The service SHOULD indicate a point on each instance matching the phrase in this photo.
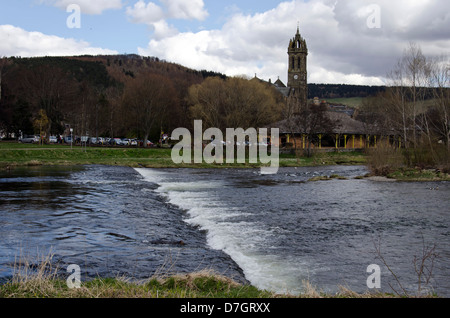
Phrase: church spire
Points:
(297, 72)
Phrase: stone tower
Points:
(297, 74)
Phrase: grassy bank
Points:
(200, 285)
(14, 154)
(409, 164)
(197, 285)
(45, 284)
(417, 174)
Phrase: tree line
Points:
(124, 96)
(330, 91)
(415, 108)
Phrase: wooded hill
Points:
(81, 90)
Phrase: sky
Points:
(349, 41)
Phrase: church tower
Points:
(297, 74)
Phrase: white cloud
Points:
(87, 6)
(145, 13)
(155, 16)
(343, 48)
(324, 76)
(15, 41)
(187, 10)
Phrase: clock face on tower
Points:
(296, 77)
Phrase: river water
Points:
(274, 231)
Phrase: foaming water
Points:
(228, 227)
(283, 230)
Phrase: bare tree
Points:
(40, 124)
(307, 119)
(424, 265)
(416, 68)
(250, 103)
(148, 100)
(439, 81)
(207, 102)
(397, 106)
(234, 103)
(52, 89)
(406, 93)
(3, 64)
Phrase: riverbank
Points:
(417, 175)
(16, 155)
(202, 285)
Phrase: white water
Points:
(282, 230)
(227, 230)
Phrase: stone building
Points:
(347, 132)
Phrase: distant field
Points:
(354, 102)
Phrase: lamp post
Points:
(86, 141)
(71, 138)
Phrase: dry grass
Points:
(41, 281)
(383, 160)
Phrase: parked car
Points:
(53, 140)
(101, 141)
(117, 141)
(29, 139)
(133, 142)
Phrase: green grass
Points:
(409, 174)
(18, 155)
(324, 159)
(328, 178)
(196, 285)
(201, 285)
(14, 154)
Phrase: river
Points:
(273, 231)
